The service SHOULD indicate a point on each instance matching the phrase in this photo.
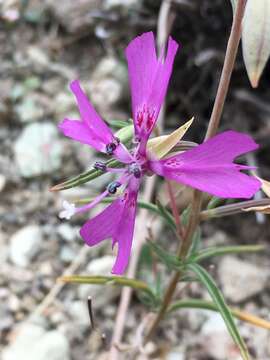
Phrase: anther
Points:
(113, 186)
(99, 165)
(135, 170)
(112, 146)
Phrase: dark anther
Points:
(90, 311)
(112, 146)
(135, 170)
(99, 165)
(113, 186)
(137, 173)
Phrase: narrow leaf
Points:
(207, 305)
(225, 250)
(256, 38)
(166, 215)
(224, 310)
(171, 261)
(108, 280)
(161, 145)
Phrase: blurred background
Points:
(44, 44)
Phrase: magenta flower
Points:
(208, 167)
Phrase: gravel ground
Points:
(43, 46)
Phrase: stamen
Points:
(112, 146)
(113, 186)
(99, 165)
(135, 169)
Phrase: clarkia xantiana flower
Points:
(208, 167)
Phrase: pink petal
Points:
(92, 130)
(116, 222)
(79, 131)
(149, 77)
(89, 115)
(209, 167)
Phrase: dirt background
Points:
(43, 46)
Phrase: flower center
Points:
(135, 169)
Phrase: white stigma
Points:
(69, 210)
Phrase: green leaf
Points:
(214, 202)
(109, 280)
(166, 215)
(224, 250)
(118, 124)
(196, 241)
(171, 261)
(222, 307)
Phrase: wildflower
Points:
(208, 167)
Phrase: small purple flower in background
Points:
(208, 167)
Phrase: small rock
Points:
(101, 294)
(75, 16)
(176, 355)
(79, 313)
(240, 279)
(108, 82)
(106, 91)
(28, 110)
(34, 343)
(110, 4)
(25, 244)
(38, 150)
(64, 103)
(67, 232)
(6, 317)
(3, 181)
(67, 254)
(216, 340)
